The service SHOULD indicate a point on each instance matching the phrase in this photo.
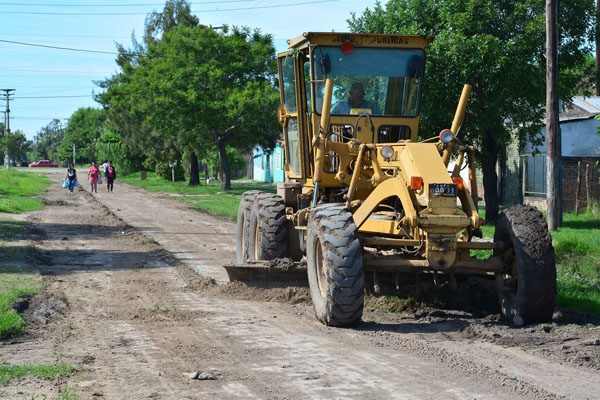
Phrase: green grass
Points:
(577, 246)
(13, 286)
(9, 373)
(18, 190)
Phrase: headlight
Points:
(387, 152)
(446, 136)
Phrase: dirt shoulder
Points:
(130, 301)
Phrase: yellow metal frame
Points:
(429, 223)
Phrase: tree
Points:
(110, 147)
(176, 13)
(196, 88)
(498, 47)
(47, 141)
(83, 131)
(187, 88)
(16, 145)
(138, 139)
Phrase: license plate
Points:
(442, 189)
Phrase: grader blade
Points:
(280, 269)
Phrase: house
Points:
(268, 164)
(523, 172)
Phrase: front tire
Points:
(242, 242)
(334, 262)
(268, 228)
(527, 287)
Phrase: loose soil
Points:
(137, 300)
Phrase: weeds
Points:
(9, 373)
(158, 309)
(14, 286)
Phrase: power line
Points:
(112, 5)
(61, 90)
(82, 5)
(193, 11)
(58, 47)
(61, 36)
(53, 97)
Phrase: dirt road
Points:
(125, 304)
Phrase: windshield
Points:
(369, 80)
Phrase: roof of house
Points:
(581, 108)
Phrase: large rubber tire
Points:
(335, 270)
(527, 288)
(268, 228)
(243, 225)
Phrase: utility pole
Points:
(553, 145)
(7, 93)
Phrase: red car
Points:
(43, 163)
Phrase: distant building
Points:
(268, 164)
(522, 174)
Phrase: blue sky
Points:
(52, 51)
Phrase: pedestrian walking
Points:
(71, 178)
(111, 175)
(93, 175)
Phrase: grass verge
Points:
(19, 193)
(577, 246)
(15, 283)
(9, 373)
(20, 190)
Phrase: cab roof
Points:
(360, 40)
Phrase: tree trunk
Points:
(490, 187)
(489, 159)
(225, 172)
(194, 173)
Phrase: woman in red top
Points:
(93, 174)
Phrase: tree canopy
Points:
(47, 141)
(498, 47)
(15, 145)
(191, 88)
(83, 130)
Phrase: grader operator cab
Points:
(364, 198)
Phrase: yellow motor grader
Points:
(364, 198)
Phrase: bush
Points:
(148, 164)
(164, 171)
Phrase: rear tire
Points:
(243, 225)
(527, 287)
(268, 238)
(335, 270)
